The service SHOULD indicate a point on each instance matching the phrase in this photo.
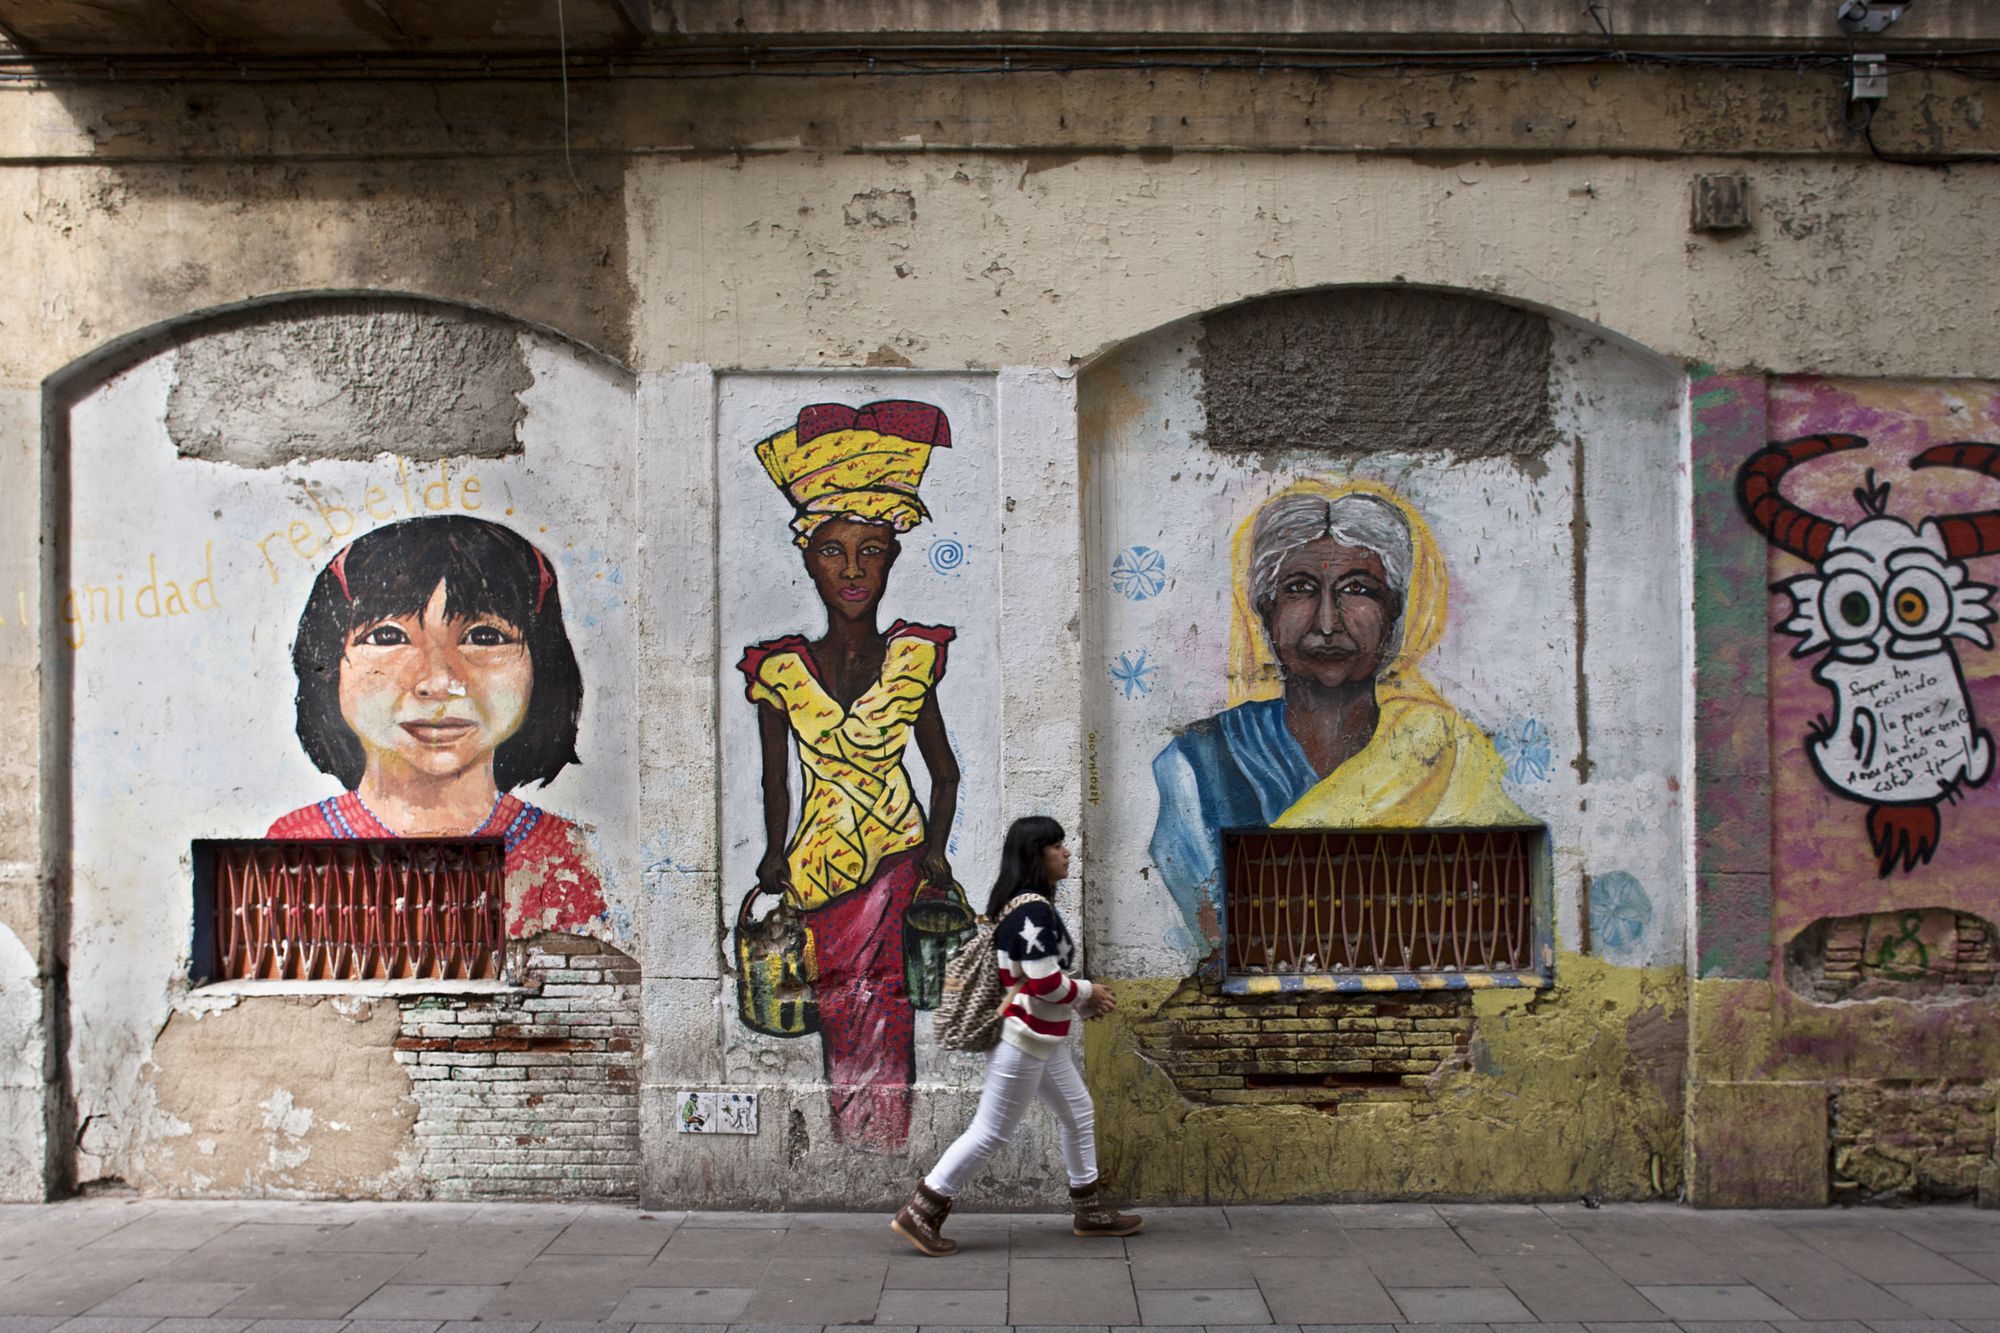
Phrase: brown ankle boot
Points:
(920, 1221)
(1094, 1217)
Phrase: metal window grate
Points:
(350, 910)
(1421, 901)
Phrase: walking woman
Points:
(1036, 955)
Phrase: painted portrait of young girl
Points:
(434, 678)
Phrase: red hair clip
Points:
(548, 579)
(339, 571)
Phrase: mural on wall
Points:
(213, 485)
(435, 676)
(1883, 602)
(855, 897)
(1339, 592)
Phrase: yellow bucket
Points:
(775, 969)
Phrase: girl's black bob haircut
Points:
(392, 571)
(1021, 868)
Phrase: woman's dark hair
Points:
(1021, 868)
(392, 571)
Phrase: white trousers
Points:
(1013, 1080)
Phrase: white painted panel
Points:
(184, 694)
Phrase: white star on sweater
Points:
(1031, 937)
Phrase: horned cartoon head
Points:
(1884, 599)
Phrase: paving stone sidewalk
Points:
(120, 1265)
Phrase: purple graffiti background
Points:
(1822, 863)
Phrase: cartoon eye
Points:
(1919, 603)
(1850, 606)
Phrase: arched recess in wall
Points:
(211, 483)
(1544, 457)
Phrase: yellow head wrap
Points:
(1253, 667)
(863, 463)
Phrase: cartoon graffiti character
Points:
(1340, 593)
(850, 701)
(434, 677)
(692, 1120)
(1884, 600)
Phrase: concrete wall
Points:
(210, 488)
(1546, 463)
(742, 248)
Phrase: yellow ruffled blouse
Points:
(859, 806)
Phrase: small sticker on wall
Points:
(716, 1112)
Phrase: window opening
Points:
(349, 910)
(1314, 907)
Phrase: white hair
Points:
(1291, 521)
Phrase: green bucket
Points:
(932, 929)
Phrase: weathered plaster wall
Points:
(1334, 375)
(200, 514)
(741, 231)
(996, 560)
(23, 1053)
(1563, 642)
(351, 381)
(142, 242)
(1567, 555)
(1576, 1092)
(1046, 260)
(272, 1096)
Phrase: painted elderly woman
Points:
(862, 849)
(435, 676)
(1340, 593)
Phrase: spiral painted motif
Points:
(946, 556)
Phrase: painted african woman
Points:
(862, 848)
(1340, 593)
(435, 677)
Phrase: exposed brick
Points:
(536, 1094)
(1301, 1046)
(1895, 1141)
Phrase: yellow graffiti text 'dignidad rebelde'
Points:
(158, 596)
(163, 590)
(338, 517)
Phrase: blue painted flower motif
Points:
(1620, 911)
(946, 556)
(1524, 748)
(1133, 674)
(1138, 572)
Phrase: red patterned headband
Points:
(546, 576)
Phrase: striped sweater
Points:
(1036, 953)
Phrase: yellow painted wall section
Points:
(1568, 1092)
